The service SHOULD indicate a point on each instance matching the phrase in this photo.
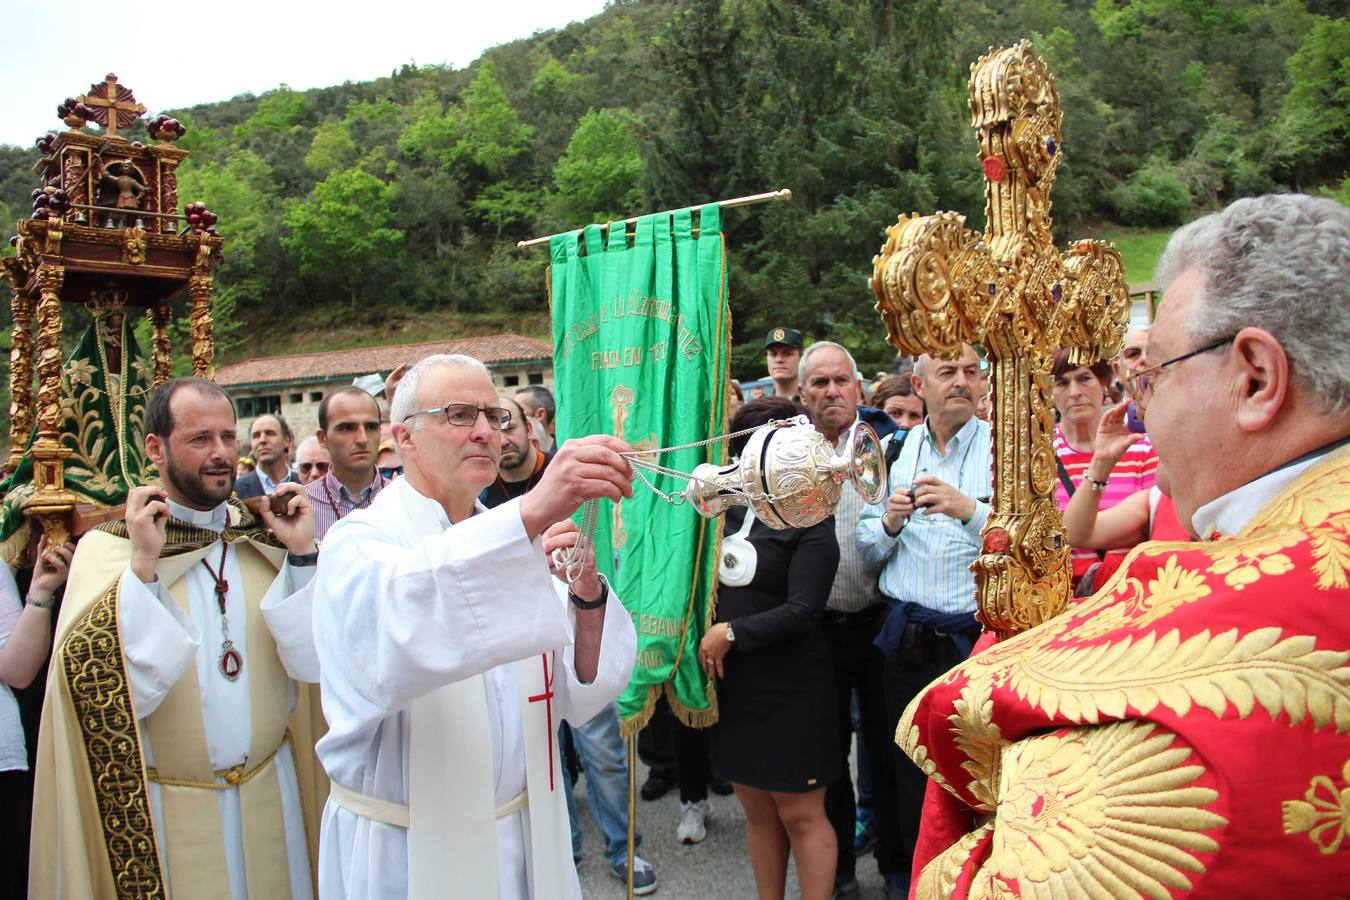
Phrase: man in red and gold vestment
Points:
(1186, 731)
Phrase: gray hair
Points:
(405, 398)
(824, 345)
(1281, 262)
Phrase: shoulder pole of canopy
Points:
(751, 200)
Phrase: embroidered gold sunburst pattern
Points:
(1323, 813)
(1096, 812)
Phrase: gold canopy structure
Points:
(105, 231)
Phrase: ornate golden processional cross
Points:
(113, 106)
(939, 285)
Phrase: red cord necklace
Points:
(231, 661)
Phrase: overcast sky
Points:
(210, 51)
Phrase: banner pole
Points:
(749, 200)
(632, 808)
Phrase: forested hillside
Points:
(358, 204)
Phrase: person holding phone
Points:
(1127, 463)
(925, 535)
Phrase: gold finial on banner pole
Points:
(750, 200)
(939, 285)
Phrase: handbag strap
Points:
(1064, 478)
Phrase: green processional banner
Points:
(641, 344)
(103, 393)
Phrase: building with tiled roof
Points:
(293, 385)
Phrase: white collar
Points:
(1229, 514)
(427, 506)
(210, 519)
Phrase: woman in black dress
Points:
(774, 738)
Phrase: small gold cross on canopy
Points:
(113, 105)
(938, 285)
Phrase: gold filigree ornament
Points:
(1097, 812)
(938, 285)
(133, 246)
(1323, 813)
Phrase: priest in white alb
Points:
(451, 647)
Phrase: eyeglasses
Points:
(1143, 383)
(306, 466)
(464, 415)
(390, 472)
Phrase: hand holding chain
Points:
(787, 473)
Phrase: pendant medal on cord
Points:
(231, 662)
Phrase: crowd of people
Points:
(418, 564)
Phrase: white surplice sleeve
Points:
(579, 701)
(159, 640)
(393, 622)
(288, 610)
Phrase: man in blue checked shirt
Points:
(926, 535)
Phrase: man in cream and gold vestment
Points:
(1186, 731)
(175, 757)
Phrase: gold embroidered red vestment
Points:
(1185, 732)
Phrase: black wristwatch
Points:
(303, 560)
(591, 604)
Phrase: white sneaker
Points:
(693, 822)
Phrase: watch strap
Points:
(591, 604)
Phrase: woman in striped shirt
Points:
(1079, 394)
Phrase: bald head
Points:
(311, 460)
(1132, 347)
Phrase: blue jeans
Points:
(605, 762)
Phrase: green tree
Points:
(344, 229)
(332, 148)
(1312, 133)
(491, 135)
(599, 177)
(278, 111)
